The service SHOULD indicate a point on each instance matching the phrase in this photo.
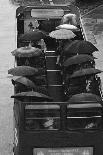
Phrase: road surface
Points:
(7, 44)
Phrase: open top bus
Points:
(59, 127)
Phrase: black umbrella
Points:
(31, 94)
(77, 59)
(62, 34)
(27, 52)
(84, 97)
(79, 46)
(84, 72)
(23, 80)
(68, 27)
(23, 71)
(34, 35)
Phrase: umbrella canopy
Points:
(23, 80)
(23, 71)
(24, 85)
(34, 35)
(62, 34)
(67, 26)
(86, 97)
(79, 46)
(84, 72)
(27, 52)
(77, 59)
(31, 94)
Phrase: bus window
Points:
(42, 117)
(84, 119)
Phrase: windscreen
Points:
(42, 117)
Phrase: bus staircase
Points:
(54, 77)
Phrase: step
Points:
(54, 77)
(52, 63)
(56, 91)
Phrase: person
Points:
(42, 43)
(48, 123)
(69, 19)
(60, 48)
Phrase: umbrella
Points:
(30, 85)
(68, 27)
(75, 89)
(34, 35)
(84, 72)
(31, 94)
(77, 59)
(23, 71)
(79, 46)
(86, 97)
(26, 52)
(23, 80)
(62, 34)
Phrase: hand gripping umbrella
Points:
(85, 72)
(80, 47)
(78, 59)
(34, 35)
(27, 52)
(62, 34)
(31, 94)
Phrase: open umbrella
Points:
(28, 85)
(62, 34)
(68, 27)
(79, 46)
(84, 72)
(23, 71)
(85, 97)
(34, 35)
(78, 59)
(23, 80)
(31, 94)
(26, 52)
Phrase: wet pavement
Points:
(7, 44)
(92, 23)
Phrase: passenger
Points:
(42, 43)
(69, 19)
(49, 123)
(60, 48)
(93, 85)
